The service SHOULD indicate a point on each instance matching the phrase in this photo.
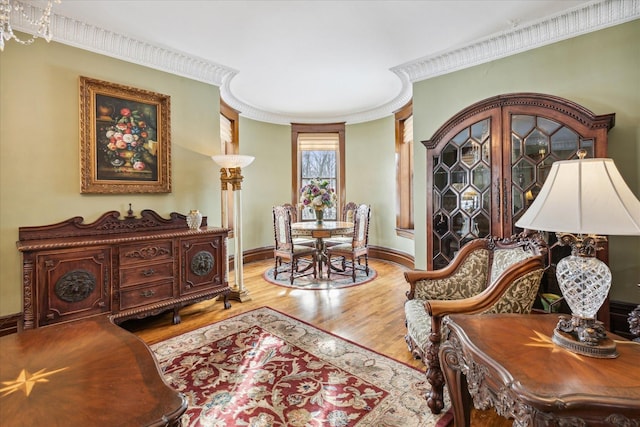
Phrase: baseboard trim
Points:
(375, 252)
(10, 324)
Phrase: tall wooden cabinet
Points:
(122, 267)
(487, 164)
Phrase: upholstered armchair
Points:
(487, 275)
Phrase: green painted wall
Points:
(371, 179)
(39, 146)
(598, 70)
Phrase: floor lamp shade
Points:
(233, 160)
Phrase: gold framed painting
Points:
(125, 139)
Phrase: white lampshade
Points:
(233, 160)
(584, 196)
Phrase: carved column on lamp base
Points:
(238, 291)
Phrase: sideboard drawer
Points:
(147, 273)
(145, 295)
(147, 251)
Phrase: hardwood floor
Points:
(371, 315)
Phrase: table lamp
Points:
(582, 200)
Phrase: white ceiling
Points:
(322, 61)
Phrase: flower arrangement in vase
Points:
(317, 195)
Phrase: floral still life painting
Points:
(125, 139)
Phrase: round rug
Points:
(308, 282)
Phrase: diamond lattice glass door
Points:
(537, 142)
(462, 191)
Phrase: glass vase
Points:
(319, 215)
(194, 219)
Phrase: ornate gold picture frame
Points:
(125, 139)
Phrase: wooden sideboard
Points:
(129, 267)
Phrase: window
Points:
(404, 171)
(318, 152)
(229, 140)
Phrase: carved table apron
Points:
(508, 361)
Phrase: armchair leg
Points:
(435, 397)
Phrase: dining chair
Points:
(346, 258)
(297, 260)
(348, 212)
(293, 214)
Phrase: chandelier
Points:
(41, 27)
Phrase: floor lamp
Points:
(231, 174)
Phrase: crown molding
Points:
(583, 19)
(105, 42)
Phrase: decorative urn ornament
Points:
(194, 219)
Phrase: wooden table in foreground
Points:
(508, 361)
(83, 373)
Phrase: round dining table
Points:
(321, 231)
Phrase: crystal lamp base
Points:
(584, 336)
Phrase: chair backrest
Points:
(481, 262)
(361, 226)
(509, 251)
(293, 211)
(508, 254)
(282, 228)
(348, 211)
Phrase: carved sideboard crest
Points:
(109, 222)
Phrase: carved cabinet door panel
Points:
(202, 264)
(73, 283)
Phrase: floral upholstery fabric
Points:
(520, 296)
(418, 322)
(469, 280)
(505, 258)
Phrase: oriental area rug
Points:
(264, 368)
(308, 282)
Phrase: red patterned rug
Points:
(264, 368)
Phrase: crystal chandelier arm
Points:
(42, 24)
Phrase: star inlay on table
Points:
(26, 381)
